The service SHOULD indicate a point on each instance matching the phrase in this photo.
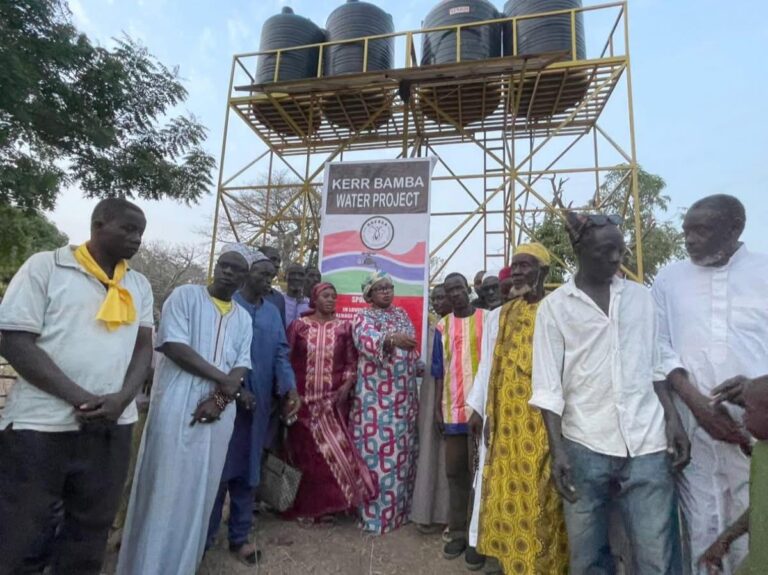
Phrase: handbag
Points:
(279, 482)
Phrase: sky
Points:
(699, 82)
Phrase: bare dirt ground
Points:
(342, 549)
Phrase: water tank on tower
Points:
(286, 30)
(463, 103)
(558, 90)
(355, 19)
(548, 33)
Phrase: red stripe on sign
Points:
(348, 305)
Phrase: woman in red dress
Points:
(334, 476)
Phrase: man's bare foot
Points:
(246, 553)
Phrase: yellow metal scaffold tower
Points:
(539, 146)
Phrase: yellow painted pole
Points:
(514, 37)
(458, 44)
(246, 167)
(408, 49)
(277, 66)
(596, 152)
(269, 194)
(219, 197)
(633, 148)
(573, 36)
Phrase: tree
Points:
(436, 263)
(167, 267)
(21, 235)
(253, 207)
(75, 113)
(662, 239)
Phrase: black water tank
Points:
(461, 104)
(286, 30)
(548, 33)
(477, 43)
(356, 19)
(357, 110)
(556, 91)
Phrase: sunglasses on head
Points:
(597, 221)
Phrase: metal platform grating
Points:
(522, 97)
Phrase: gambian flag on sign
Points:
(376, 217)
(347, 262)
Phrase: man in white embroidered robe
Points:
(713, 325)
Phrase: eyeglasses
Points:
(597, 221)
(383, 289)
(605, 219)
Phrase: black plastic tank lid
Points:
(287, 10)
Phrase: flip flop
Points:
(326, 521)
(305, 522)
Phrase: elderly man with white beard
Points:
(517, 517)
(713, 325)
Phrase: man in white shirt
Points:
(610, 427)
(713, 325)
(77, 327)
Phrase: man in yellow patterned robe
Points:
(520, 520)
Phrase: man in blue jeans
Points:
(614, 433)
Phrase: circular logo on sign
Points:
(377, 233)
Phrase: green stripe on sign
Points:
(352, 281)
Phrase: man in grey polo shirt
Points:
(76, 324)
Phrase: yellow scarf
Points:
(117, 308)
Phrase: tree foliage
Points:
(168, 266)
(75, 113)
(21, 235)
(437, 263)
(254, 207)
(662, 239)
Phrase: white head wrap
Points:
(258, 256)
(241, 249)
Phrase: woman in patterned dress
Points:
(334, 476)
(385, 406)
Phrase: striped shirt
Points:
(455, 359)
